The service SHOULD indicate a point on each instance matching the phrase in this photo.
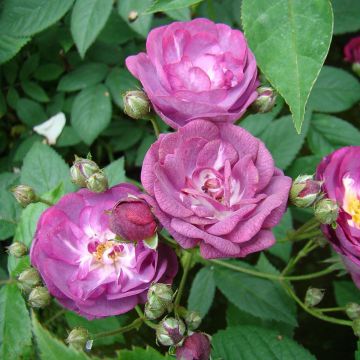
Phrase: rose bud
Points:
(24, 194)
(356, 327)
(28, 279)
(78, 337)
(352, 310)
(192, 320)
(133, 15)
(39, 297)
(136, 104)
(170, 331)
(132, 219)
(154, 311)
(326, 211)
(17, 249)
(304, 191)
(82, 169)
(352, 54)
(265, 101)
(314, 296)
(97, 182)
(160, 292)
(195, 347)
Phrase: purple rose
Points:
(352, 50)
(215, 186)
(195, 347)
(196, 69)
(83, 265)
(340, 172)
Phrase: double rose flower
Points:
(210, 183)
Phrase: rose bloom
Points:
(352, 50)
(215, 186)
(340, 172)
(196, 69)
(82, 264)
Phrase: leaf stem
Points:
(314, 312)
(55, 316)
(186, 266)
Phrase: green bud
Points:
(24, 194)
(265, 101)
(136, 104)
(78, 337)
(160, 292)
(82, 169)
(192, 320)
(356, 68)
(356, 327)
(314, 296)
(28, 279)
(133, 15)
(97, 182)
(170, 331)
(304, 191)
(39, 297)
(326, 211)
(153, 312)
(17, 249)
(352, 310)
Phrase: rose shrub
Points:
(340, 172)
(196, 69)
(82, 264)
(215, 186)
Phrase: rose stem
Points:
(134, 325)
(186, 266)
(143, 318)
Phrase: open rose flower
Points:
(216, 186)
(340, 172)
(83, 265)
(196, 69)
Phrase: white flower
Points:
(51, 128)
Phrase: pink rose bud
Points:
(136, 104)
(39, 297)
(78, 337)
(314, 296)
(265, 101)
(326, 211)
(82, 169)
(133, 220)
(195, 347)
(24, 194)
(305, 191)
(28, 279)
(170, 331)
(17, 249)
(352, 54)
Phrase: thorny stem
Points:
(333, 309)
(143, 318)
(299, 233)
(154, 123)
(134, 325)
(186, 266)
(55, 316)
(314, 312)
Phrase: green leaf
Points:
(282, 250)
(183, 14)
(345, 292)
(84, 76)
(118, 82)
(115, 172)
(335, 90)
(26, 18)
(91, 112)
(35, 91)
(144, 146)
(166, 5)
(282, 140)
(143, 23)
(48, 72)
(30, 112)
(88, 17)
(10, 46)
(144, 354)
(52, 348)
(98, 325)
(304, 165)
(3, 109)
(346, 16)
(68, 137)
(328, 133)
(258, 297)
(202, 291)
(250, 342)
(29, 66)
(15, 327)
(43, 169)
(281, 34)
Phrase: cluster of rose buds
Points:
(306, 192)
(86, 173)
